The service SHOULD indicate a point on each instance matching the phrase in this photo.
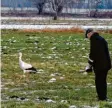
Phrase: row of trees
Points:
(89, 8)
(58, 5)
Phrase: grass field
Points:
(60, 56)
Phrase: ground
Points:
(61, 21)
(59, 58)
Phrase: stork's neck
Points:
(20, 58)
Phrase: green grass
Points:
(62, 53)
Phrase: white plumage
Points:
(25, 66)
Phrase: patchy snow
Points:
(61, 78)
(52, 80)
(85, 73)
(48, 18)
(51, 27)
(90, 107)
(50, 101)
(55, 74)
(108, 83)
(72, 106)
(64, 101)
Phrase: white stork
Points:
(27, 68)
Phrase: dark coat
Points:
(99, 53)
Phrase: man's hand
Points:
(90, 61)
(89, 68)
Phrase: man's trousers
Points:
(101, 84)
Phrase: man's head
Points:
(89, 33)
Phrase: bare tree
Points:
(57, 6)
(93, 5)
(39, 5)
(97, 2)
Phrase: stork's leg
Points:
(26, 76)
(22, 76)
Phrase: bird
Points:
(27, 68)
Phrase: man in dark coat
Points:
(99, 59)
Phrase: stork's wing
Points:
(26, 65)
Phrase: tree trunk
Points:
(40, 8)
(55, 16)
(95, 13)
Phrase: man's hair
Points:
(88, 31)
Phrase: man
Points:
(99, 59)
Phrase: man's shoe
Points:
(107, 100)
